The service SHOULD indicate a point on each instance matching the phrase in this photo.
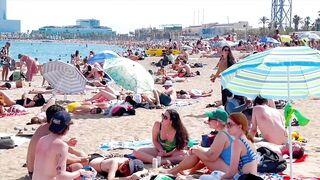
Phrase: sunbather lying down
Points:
(85, 108)
(193, 93)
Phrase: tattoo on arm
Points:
(59, 168)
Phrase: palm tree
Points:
(296, 21)
(307, 22)
(264, 20)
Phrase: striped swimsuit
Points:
(248, 158)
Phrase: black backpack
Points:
(270, 162)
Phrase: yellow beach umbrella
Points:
(285, 38)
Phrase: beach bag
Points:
(6, 143)
(270, 162)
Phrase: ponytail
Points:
(249, 136)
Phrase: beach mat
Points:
(126, 145)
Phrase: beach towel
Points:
(15, 110)
(135, 144)
(181, 103)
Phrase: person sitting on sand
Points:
(170, 139)
(243, 151)
(115, 168)
(81, 109)
(218, 156)
(52, 152)
(165, 98)
(269, 121)
(75, 158)
(193, 93)
(38, 100)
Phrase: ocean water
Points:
(55, 50)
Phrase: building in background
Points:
(85, 29)
(7, 26)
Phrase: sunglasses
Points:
(227, 50)
(230, 124)
(164, 116)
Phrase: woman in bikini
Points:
(38, 100)
(243, 151)
(218, 156)
(170, 139)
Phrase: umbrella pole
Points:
(290, 129)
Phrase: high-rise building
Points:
(3, 9)
(7, 25)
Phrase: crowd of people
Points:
(242, 124)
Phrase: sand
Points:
(93, 130)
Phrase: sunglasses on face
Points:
(230, 124)
(227, 50)
(164, 116)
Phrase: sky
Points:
(127, 15)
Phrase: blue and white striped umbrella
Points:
(280, 73)
(65, 78)
(276, 74)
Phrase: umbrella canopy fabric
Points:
(224, 43)
(285, 38)
(280, 73)
(64, 77)
(129, 74)
(268, 40)
(309, 35)
(274, 73)
(102, 56)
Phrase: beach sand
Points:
(93, 130)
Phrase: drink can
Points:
(154, 163)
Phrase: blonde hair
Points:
(241, 119)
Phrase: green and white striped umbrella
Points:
(129, 74)
(279, 73)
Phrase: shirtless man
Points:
(124, 167)
(52, 152)
(269, 121)
(74, 158)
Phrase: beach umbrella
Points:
(269, 40)
(224, 43)
(285, 38)
(187, 47)
(102, 56)
(63, 77)
(309, 35)
(279, 73)
(129, 74)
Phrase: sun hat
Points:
(218, 114)
(167, 83)
(60, 121)
(135, 165)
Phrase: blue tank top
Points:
(226, 153)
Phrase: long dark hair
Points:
(241, 119)
(230, 59)
(182, 136)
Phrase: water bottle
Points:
(154, 163)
